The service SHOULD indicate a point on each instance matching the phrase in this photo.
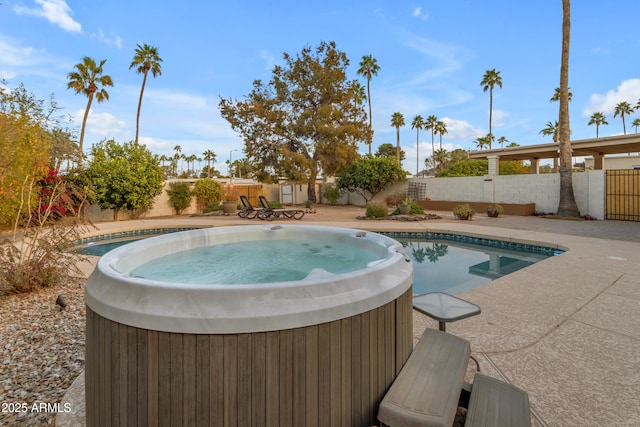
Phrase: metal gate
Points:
(622, 192)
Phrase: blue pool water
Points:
(442, 262)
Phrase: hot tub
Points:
(172, 349)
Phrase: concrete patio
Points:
(566, 330)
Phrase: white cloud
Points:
(417, 12)
(461, 130)
(269, 60)
(111, 39)
(499, 118)
(55, 11)
(629, 91)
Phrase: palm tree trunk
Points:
(567, 206)
(490, 115)
(369, 99)
(144, 82)
(84, 125)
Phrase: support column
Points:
(493, 165)
(598, 162)
(534, 169)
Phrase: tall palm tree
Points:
(440, 128)
(567, 206)
(418, 124)
(146, 59)
(623, 108)
(635, 124)
(551, 130)
(597, 119)
(490, 80)
(209, 156)
(442, 157)
(502, 141)
(369, 67)
(430, 124)
(397, 120)
(88, 80)
(482, 141)
(176, 157)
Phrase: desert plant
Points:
(36, 255)
(395, 199)
(377, 210)
(179, 195)
(495, 210)
(464, 211)
(414, 209)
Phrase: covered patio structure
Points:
(596, 147)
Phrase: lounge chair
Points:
(269, 213)
(247, 211)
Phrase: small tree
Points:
(369, 175)
(179, 195)
(207, 191)
(124, 176)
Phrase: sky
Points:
(432, 57)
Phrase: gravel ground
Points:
(41, 353)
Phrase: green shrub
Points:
(332, 194)
(208, 192)
(377, 210)
(212, 207)
(415, 209)
(275, 204)
(464, 211)
(179, 195)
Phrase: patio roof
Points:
(620, 144)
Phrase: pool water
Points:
(257, 261)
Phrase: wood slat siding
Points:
(622, 194)
(333, 374)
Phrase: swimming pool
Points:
(443, 262)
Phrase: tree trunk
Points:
(567, 206)
(144, 82)
(84, 125)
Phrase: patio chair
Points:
(247, 211)
(269, 213)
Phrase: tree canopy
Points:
(305, 120)
(124, 176)
(369, 175)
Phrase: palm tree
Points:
(635, 124)
(597, 119)
(209, 156)
(567, 206)
(551, 130)
(440, 129)
(176, 157)
(482, 141)
(418, 125)
(491, 79)
(556, 95)
(397, 120)
(442, 157)
(430, 124)
(146, 59)
(369, 67)
(88, 79)
(502, 140)
(623, 108)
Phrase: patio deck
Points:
(566, 330)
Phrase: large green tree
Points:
(388, 150)
(88, 80)
(567, 206)
(368, 68)
(146, 59)
(490, 80)
(126, 176)
(369, 175)
(306, 120)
